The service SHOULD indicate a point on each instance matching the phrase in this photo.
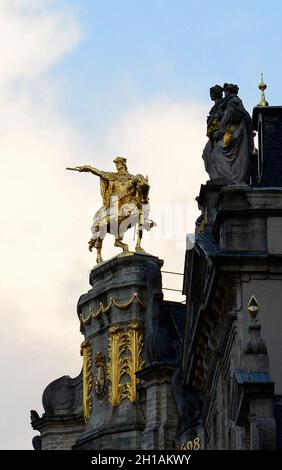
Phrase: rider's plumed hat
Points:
(120, 159)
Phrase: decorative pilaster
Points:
(135, 336)
(117, 366)
(119, 316)
(86, 352)
(125, 359)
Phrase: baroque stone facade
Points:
(123, 398)
(206, 375)
(230, 361)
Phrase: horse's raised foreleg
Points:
(98, 245)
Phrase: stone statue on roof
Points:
(229, 129)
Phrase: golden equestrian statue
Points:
(125, 205)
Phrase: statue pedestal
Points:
(132, 338)
(114, 315)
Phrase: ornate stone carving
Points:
(100, 379)
(86, 351)
(225, 297)
(212, 329)
(135, 337)
(125, 359)
(95, 314)
(117, 364)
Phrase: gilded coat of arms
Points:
(100, 381)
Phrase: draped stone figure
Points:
(229, 128)
(213, 124)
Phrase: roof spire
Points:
(262, 86)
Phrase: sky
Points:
(81, 82)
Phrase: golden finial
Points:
(253, 307)
(262, 86)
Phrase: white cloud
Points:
(45, 226)
(33, 36)
(36, 269)
(165, 139)
(46, 212)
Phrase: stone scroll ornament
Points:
(229, 129)
(125, 205)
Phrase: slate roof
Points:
(208, 244)
(252, 377)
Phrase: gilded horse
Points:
(125, 205)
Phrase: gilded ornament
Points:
(125, 359)
(135, 361)
(228, 137)
(253, 307)
(100, 376)
(213, 126)
(86, 352)
(204, 221)
(262, 86)
(106, 309)
(117, 363)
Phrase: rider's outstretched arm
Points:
(89, 169)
